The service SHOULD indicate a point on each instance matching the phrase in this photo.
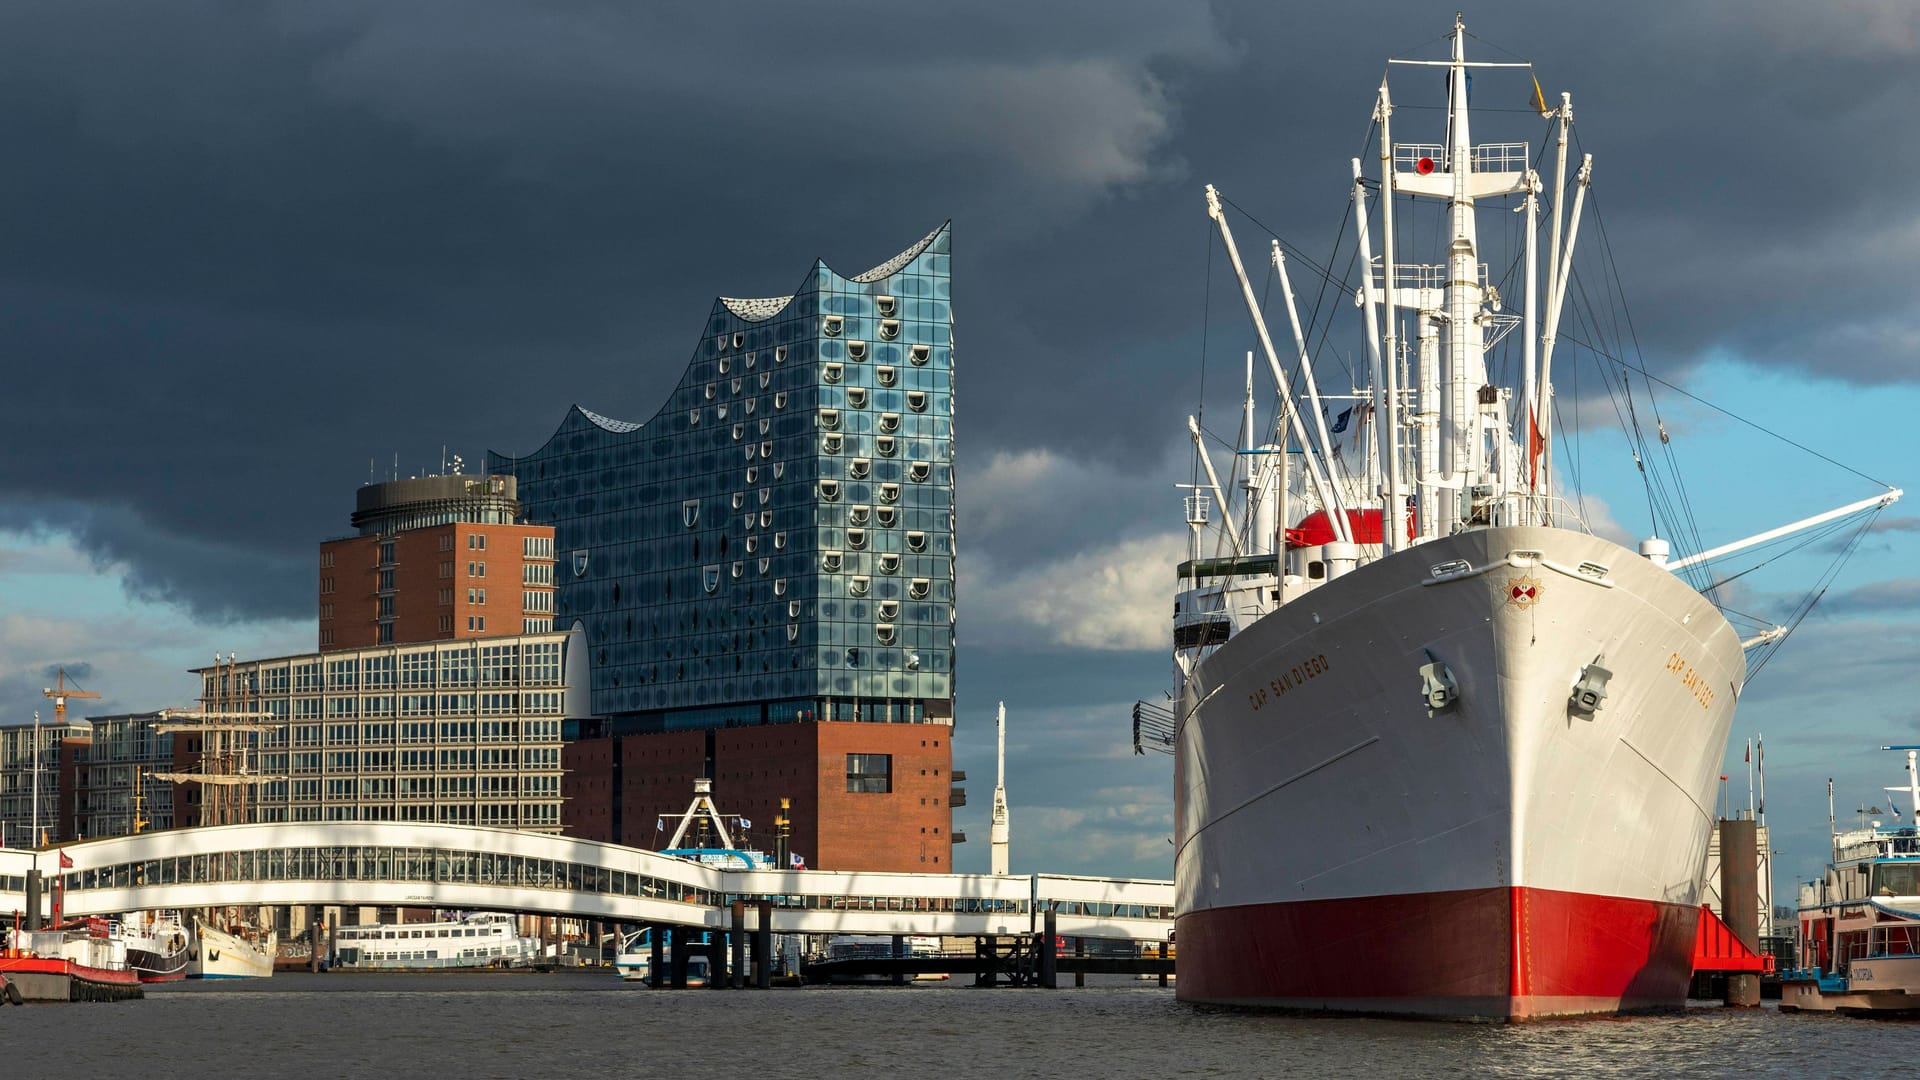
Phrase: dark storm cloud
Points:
(252, 252)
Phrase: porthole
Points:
(720, 411)
(765, 563)
(766, 379)
(766, 496)
(766, 519)
(793, 609)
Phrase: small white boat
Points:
(238, 952)
(157, 944)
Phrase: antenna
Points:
(998, 830)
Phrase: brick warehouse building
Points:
(764, 574)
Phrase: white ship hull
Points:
(1341, 848)
(217, 954)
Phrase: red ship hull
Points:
(1511, 953)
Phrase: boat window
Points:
(1316, 570)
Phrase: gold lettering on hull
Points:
(1311, 668)
(1695, 682)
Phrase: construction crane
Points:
(60, 693)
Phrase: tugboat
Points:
(1860, 922)
(78, 960)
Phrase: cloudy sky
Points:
(250, 253)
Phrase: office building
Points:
(436, 558)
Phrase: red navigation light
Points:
(1425, 166)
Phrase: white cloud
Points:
(1111, 596)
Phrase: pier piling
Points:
(1079, 952)
(657, 970)
(763, 945)
(1049, 950)
(1740, 902)
(738, 940)
(33, 900)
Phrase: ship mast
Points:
(223, 719)
(997, 833)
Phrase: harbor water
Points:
(583, 1026)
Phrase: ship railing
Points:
(1420, 275)
(1408, 156)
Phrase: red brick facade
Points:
(441, 575)
(909, 828)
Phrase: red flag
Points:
(1536, 445)
(66, 862)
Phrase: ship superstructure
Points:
(1439, 749)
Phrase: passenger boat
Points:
(158, 944)
(78, 960)
(1441, 750)
(1860, 922)
(236, 951)
(483, 939)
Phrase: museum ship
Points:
(1440, 749)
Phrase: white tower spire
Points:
(997, 833)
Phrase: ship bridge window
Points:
(1195, 634)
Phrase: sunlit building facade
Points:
(774, 546)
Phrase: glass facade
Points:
(777, 543)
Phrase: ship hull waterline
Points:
(1343, 847)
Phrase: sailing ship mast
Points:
(229, 728)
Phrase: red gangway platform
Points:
(1715, 948)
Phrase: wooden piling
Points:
(657, 970)
(1079, 952)
(1048, 945)
(763, 945)
(738, 940)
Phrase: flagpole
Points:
(1749, 779)
(1760, 752)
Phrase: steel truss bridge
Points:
(409, 864)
